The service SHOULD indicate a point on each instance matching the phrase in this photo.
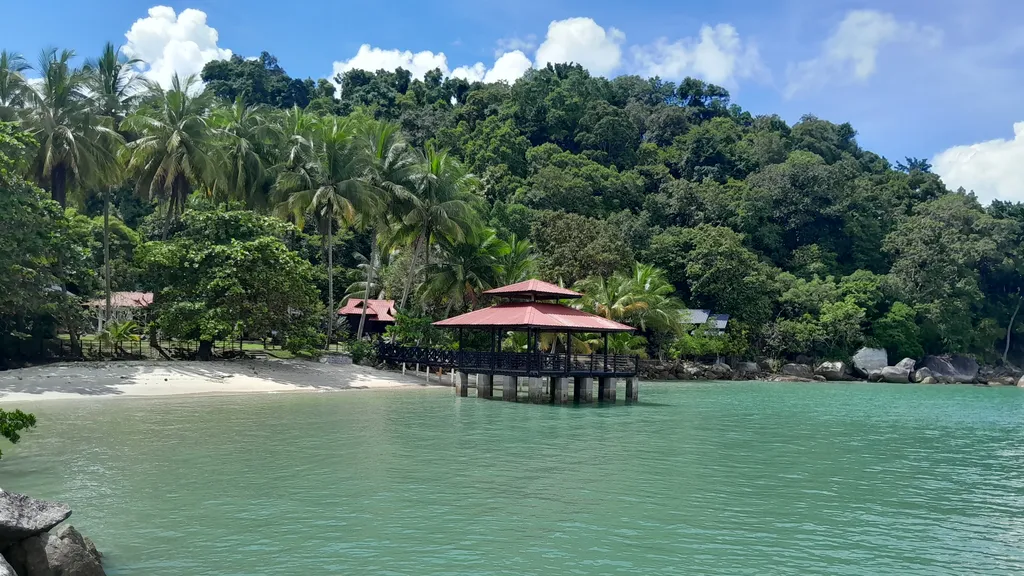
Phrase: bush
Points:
(362, 352)
(11, 423)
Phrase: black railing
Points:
(512, 362)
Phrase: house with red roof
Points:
(379, 314)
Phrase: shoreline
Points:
(154, 379)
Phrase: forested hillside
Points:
(649, 195)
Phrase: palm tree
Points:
(114, 84)
(389, 165)
(642, 298)
(325, 181)
(172, 153)
(12, 84)
(517, 262)
(443, 204)
(116, 333)
(465, 269)
(245, 134)
(76, 146)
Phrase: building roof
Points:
(123, 300)
(533, 290)
(693, 316)
(379, 310)
(534, 315)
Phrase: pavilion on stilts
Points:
(532, 307)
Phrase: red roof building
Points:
(377, 311)
(123, 300)
(533, 290)
(540, 316)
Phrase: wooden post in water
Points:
(509, 388)
(584, 389)
(632, 389)
(536, 389)
(462, 384)
(484, 386)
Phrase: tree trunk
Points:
(205, 349)
(426, 261)
(369, 280)
(106, 253)
(331, 312)
(1009, 328)
(410, 274)
(59, 184)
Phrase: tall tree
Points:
(76, 146)
(173, 152)
(244, 135)
(115, 86)
(12, 84)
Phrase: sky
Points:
(936, 79)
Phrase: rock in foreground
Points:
(833, 371)
(895, 374)
(62, 553)
(22, 517)
(5, 568)
(798, 370)
(868, 360)
(959, 369)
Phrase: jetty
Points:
(559, 375)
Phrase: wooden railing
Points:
(512, 362)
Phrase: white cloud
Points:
(718, 56)
(474, 73)
(509, 67)
(583, 41)
(851, 52)
(170, 43)
(993, 169)
(372, 59)
(527, 44)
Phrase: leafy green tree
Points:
(571, 247)
(115, 334)
(227, 274)
(12, 422)
(245, 135)
(260, 81)
(464, 269)
(897, 331)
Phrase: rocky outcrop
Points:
(721, 371)
(1020, 383)
(33, 548)
(907, 364)
(22, 517)
(921, 374)
(867, 360)
(929, 380)
(895, 374)
(747, 369)
(959, 369)
(798, 370)
(833, 371)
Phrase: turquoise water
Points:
(708, 478)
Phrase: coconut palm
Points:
(114, 334)
(172, 155)
(12, 85)
(517, 262)
(389, 164)
(464, 269)
(245, 135)
(443, 204)
(114, 84)
(325, 181)
(76, 146)
(641, 298)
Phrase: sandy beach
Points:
(154, 378)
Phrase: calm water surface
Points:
(703, 478)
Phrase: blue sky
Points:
(940, 79)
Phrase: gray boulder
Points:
(1020, 383)
(721, 371)
(907, 364)
(929, 380)
(922, 373)
(875, 376)
(955, 368)
(64, 552)
(798, 370)
(747, 368)
(895, 374)
(833, 371)
(868, 359)
(22, 517)
(5, 568)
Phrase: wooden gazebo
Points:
(532, 307)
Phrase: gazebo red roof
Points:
(123, 300)
(534, 289)
(534, 315)
(380, 310)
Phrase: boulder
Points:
(907, 364)
(769, 365)
(868, 359)
(833, 371)
(5, 568)
(64, 552)
(22, 517)
(895, 374)
(820, 378)
(960, 369)
(747, 368)
(929, 380)
(1002, 381)
(721, 371)
(798, 370)
(875, 376)
(1020, 383)
(922, 373)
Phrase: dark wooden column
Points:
(568, 351)
(605, 351)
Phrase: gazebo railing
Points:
(512, 362)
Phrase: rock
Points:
(746, 369)
(921, 374)
(64, 552)
(767, 365)
(22, 517)
(868, 359)
(1020, 383)
(1002, 381)
(804, 359)
(834, 371)
(875, 376)
(721, 371)
(820, 378)
(784, 378)
(895, 374)
(929, 380)
(5, 568)
(798, 370)
(907, 364)
(960, 369)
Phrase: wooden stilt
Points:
(585, 385)
(536, 389)
(606, 389)
(462, 384)
(632, 389)
(509, 388)
(560, 390)
(484, 386)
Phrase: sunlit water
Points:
(733, 478)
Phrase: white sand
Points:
(150, 378)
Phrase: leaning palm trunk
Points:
(106, 253)
(330, 283)
(411, 273)
(369, 282)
